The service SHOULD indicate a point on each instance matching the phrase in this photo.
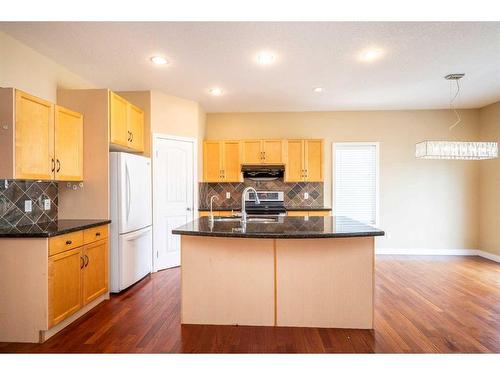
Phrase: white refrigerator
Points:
(131, 217)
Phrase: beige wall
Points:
(489, 181)
(423, 203)
(24, 68)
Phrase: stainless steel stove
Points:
(272, 203)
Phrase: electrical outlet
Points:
(27, 206)
(228, 195)
(306, 195)
(46, 204)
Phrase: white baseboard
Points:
(466, 252)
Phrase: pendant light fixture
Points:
(456, 150)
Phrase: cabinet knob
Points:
(69, 242)
(98, 234)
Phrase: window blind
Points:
(355, 185)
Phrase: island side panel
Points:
(227, 281)
(325, 282)
(23, 289)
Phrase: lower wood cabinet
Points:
(77, 276)
(311, 213)
(65, 285)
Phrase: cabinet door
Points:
(64, 285)
(252, 152)
(118, 109)
(273, 151)
(68, 140)
(314, 160)
(231, 162)
(136, 128)
(294, 160)
(95, 270)
(34, 138)
(212, 161)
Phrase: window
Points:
(355, 186)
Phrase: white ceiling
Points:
(203, 55)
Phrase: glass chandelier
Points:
(456, 150)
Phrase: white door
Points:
(135, 192)
(173, 197)
(135, 256)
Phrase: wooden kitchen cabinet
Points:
(68, 141)
(308, 213)
(267, 151)
(38, 139)
(34, 137)
(78, 272)
(304, 160)
(65, 285)
(95, 270)
(221, 161)
(126, 123)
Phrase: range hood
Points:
(263, 172)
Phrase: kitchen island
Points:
(279, 271)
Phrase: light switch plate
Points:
(27, 206)
(306, 195)
(46, 204)
(228, 195)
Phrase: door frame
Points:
(194, 141)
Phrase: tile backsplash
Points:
(294, 193)
(13, 193)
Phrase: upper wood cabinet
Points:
(267, 151)
(39, 140)
(34, 137)
(304, 160)
(221, 161)
(126, 123)
(68, 138)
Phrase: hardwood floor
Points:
(422, 304)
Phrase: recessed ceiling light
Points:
(371, 54)
(216, 91)
(265, 57)
(318, 89)
(159, 60)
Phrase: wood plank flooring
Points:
(422, 304)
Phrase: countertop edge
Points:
(279, 235)
(287, 208)
(55, 233)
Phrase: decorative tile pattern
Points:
(13, 193)
(294, 193)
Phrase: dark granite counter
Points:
(284, 227)
(287, 208)
(50, 229)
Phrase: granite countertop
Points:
(287, 208)
(50, 229)
(286, 227)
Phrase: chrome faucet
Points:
(243, 210)
(212, 198)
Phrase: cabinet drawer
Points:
(65, 242)
(94, 234)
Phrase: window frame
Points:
(377, 174)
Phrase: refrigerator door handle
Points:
(138, 234)
(127, 187)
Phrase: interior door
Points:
(34, 138)
(68, 144)
(173, 197)
(135, 192)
